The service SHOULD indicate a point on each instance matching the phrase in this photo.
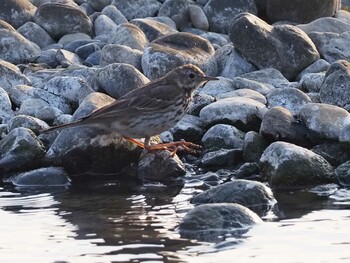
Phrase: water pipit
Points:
(149, 110)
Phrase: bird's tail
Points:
(62, 126)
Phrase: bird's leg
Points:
(174, 146)
(138, 143)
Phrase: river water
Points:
(114, 222)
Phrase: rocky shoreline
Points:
(279, 112)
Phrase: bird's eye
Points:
(191, 75)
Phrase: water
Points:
(110, 222)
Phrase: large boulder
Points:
(16, 12)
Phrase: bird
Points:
(149, 110)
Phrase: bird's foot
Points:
(173, 147)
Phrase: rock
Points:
(312, 82)
(93, 59)
(28, 122)
(99, 5)
(342, 174)
(246, 93)
(169, 52)
(16, 12)
(48, 57)
(129, 35)
(289, 98)
(215, 88)
(159, 166)
(279, 124)
(220, 13)
(324, 120)
(305, 12)
(47, 176)
(73, 89)
(209, 222)
(135, 9)
(17, 49)
(335, 88)
(59, 20)
(344, 135)
(221, 158)
(20, 151)
(223, 136)
(86, 50)
(173, 7)
(5, 106)
(251, 194)
(189, 128)
(282, 47)
(334, 152)
(38, 108)
(36, 34)
(243, 113)
(103, 25)
(324, 25)
(319, 66)
(117, 79)
(199, 102)
(332, 46)
(11, 76)
(73, 37)
(113, 13)
(153, 29)
(286, 165)
(254, 146)
(231, 63)
(113, 53)
(86, 150)
(66, 58)
(216, 39)
(198, 18)
(269, 76)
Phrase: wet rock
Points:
(215, 88)
(342, 174)
(129, 35)
(15, 48)
(332, 46)
(325, 24)
(231, 63)
(283, 47)
(319, 66)
(334, 152)
(153, 29)
(254, 146)
(117, 79)
(114, 13)
(169, 52)
(16, 12)
(288, 10)
(243, 113)
(221, 13)
(189, 128)
(47, 176)
(246, 93)
(285, 165)
(223, 136)
(324, 120)
(209, 222)
(103, 25)
(20, 151)
(113, 53)
(198, 18)
(137, 9)
(36, 34)
(221, 158)
(11, 76)
(159, 166)
(5, 106)
(289, 98)
(59, 20)
(66, 58)
(28, 122)
(173, 7)
(199, 102)
(335, 88)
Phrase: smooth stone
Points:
(16, 12)
(113, 53)
(86, 50)
(69, 38)
(312, 82)
(200, 100)
(325, 24)
(93, 59)
(285, 165)
(190, 128)
(48, 57)
(217, 87)
(246, 93)
(344, 135)
(254, 146)
(37, 108)
(11, 76)
(137, 9)
(221, 158)
(66, 58)
(318, 66)
(173, 7)
(335, 153)
(5, 106)
(198, 18)
(103, 25)
(269, 76)
(36, 34)
(99, 5)
(114, 14)
(342, 174)
(28, 122)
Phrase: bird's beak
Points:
(207, 78)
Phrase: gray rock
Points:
(36, 34)
(286, 165)
(37, 108)
(332, 46)
(28, 122)
(246, 83)
(243, 113)
(16, 12)
(343, 15)
(288, 10)
(335, 88)
(20, 151)
(209, 222)
(114, 13)
(48, 113)
(215, 88)
(318, 66)
(47, 176)
(342, 173)
(173, 7)
(312, 82)
(335, 153)
(254, 146)
(5, 106)
(93, 59)
(48, 57)
(165, 20)
(73, 89)
(286, 48)
(247, 93)
(113, 53)
(221, 158)
(199, 102)
(66, 58)
(117, 79)
(69, 38)
(11, 76)
(198, 17)
(137, 9)
(59, 20)
(289, 98)
(103, 25)
(129, 35)
(268, 76)
(169, 52)
(153, 29)
(160, 167)
(189, 128)
(344, 135)
(17, 49)
(231, 63)
(86, 50)
(99, 5)
(324, 120)
(223, 136)
(221, 13)
(325, 24)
